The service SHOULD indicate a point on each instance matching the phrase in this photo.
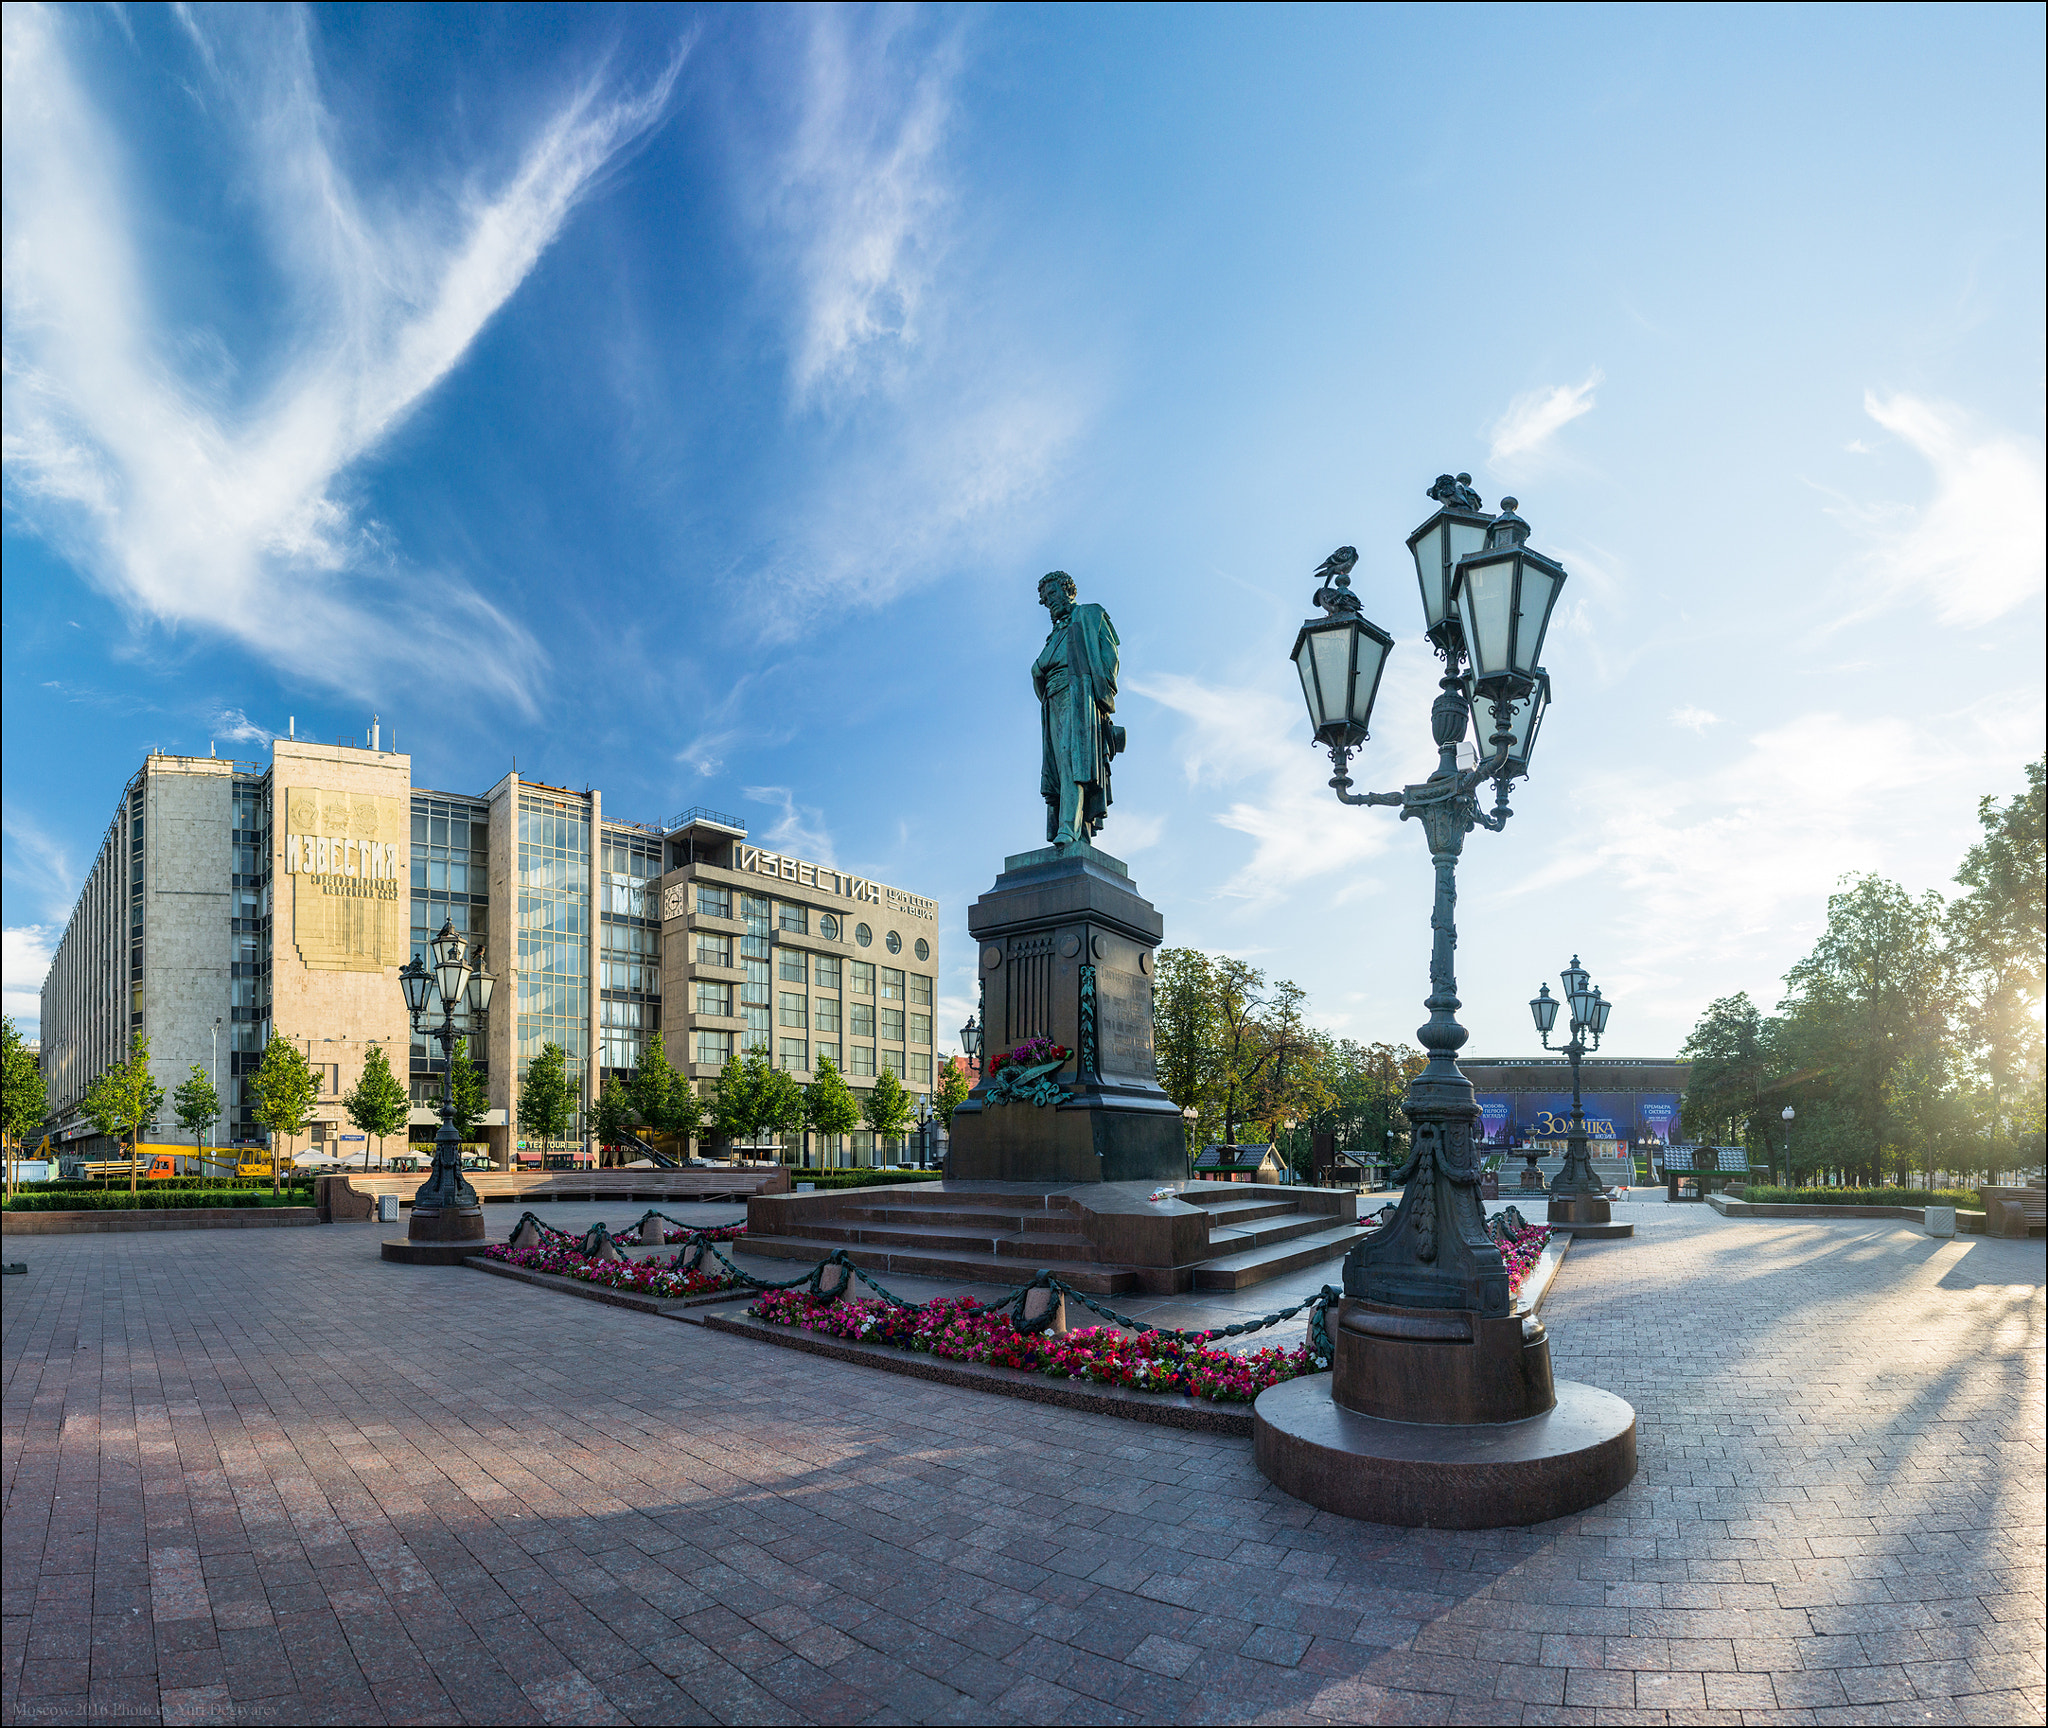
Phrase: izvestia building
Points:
(231, 900)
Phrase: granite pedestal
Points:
(1587, 1216)
(1066, 944)
(440, 1235)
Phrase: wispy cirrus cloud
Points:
(122, 448)
(1975, 548)
(799, 827)
(1535, 417)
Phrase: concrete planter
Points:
(1939, 1221)
(157, 1218)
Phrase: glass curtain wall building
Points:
(451, 884)
(555, 925)
(629, 951)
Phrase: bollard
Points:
(387, 1208)
(650, 1231)
(1939, 1221)
(1043, 1310)
(831, 1282)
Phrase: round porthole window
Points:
(828, 927)
(894, 943)
(863, 935)
(924, 949)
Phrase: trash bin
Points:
(387, 1208)
(1939, 1220)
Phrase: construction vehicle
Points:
(166, 1164)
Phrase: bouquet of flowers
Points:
(1032, 1053)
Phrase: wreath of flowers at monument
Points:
(1025, 1075)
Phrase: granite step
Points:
(1244, 1211)
(1261, 1232)
(1276, 1260)
(940, 1217)
(830, 1233)
(959, 1267)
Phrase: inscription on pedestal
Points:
(1123, 1014)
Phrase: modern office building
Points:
(231, 900)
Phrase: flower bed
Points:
(641, 1277)
(960, 1329)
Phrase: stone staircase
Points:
(1008, 1234)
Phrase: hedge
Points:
(862, 1178)
(1859, 1197)
(149, 1199)
(184, 1184)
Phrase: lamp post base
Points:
(1445, 1476)
(1589, 1217)
(446, 1224)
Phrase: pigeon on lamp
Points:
(1333, 591)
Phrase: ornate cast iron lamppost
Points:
(1427, 1332)
(446, 1213)
(1578, 1198)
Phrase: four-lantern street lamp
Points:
(1487, 599)
(455, 976)
(1575, 1187)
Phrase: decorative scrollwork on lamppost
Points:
(1487, 598)
(446, 1207)
(1577, 1196)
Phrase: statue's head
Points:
(1056, 590)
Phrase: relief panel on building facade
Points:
(348, 858)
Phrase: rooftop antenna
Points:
(374, 729)
(291, 725)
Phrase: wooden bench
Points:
(1704, 1166)
(2015, 1212)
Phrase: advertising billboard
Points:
(1512, 1117)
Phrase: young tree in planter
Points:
(887, 1106)
(612, 1117)
(952, 1092)
(285, 1087)
(829, 1104)
(125, 1100)
(547, 1102)
(197, 1104)
(377, 1104)
(23, 1095)
(781, 1102)
(736, 1105)
(472, 1094)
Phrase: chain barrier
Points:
(1317, 1306)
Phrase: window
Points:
(754, 913)
(892, 984)
(823, 1053)
(714, 1047)
(792, 1008)
(924, 949)
(920, 991)
(791, 967)
(714, 998)
(863, 935)
(920, 1028)
(825, 972)
(793, 1053)
(862, 981)
(893, 1061)
(754, 992)
(713, 902)
(920, 1068)
(713, 950)
(757, 1030)
(863, 1020)
(797, 918)
(828, 927)
(892, 1025)
(893, 942)
(862, 1060)
(825, 1011)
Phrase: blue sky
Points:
(687, 401)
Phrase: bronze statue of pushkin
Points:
(1075, 677)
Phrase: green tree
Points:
(779, 1104)
(125, 1100)
(470, 1091)
(1994, 935)
(1288, 1084)
(1184, 1025)
(886, 1108)
(547, 1100)
(1731, 1089)
(736, 1102)
(197, 1104)
(1866, 1004)
(377, 1104)
(613, 1115)
(663, 1096)
(952, 1092)
(23, 1095)
(830, 1107)
(284, 1087)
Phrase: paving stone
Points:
(214, 1514)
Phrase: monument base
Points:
(446, 1224)
(1445, 1476)
(1439, 1365)
(1066, 954)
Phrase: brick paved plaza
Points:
(260, 1476)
